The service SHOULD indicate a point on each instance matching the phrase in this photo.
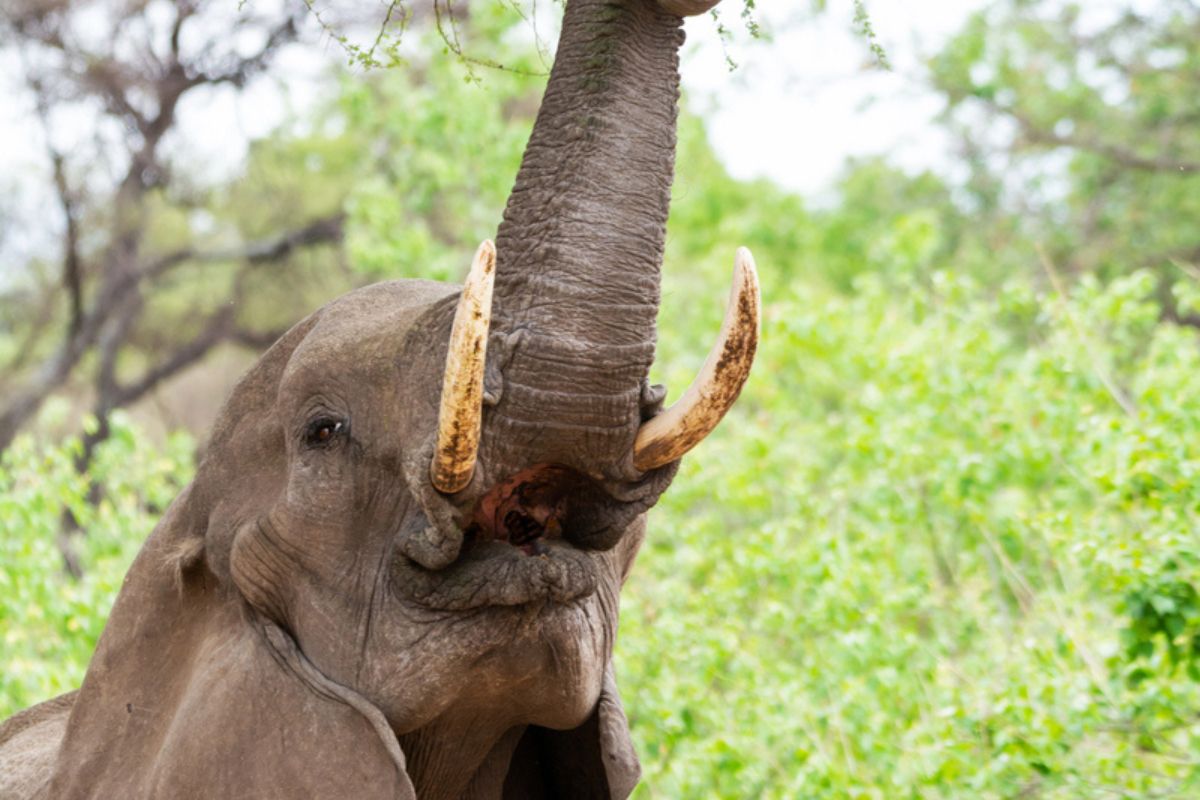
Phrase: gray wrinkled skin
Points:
(311, 618)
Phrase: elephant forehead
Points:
(364, 325)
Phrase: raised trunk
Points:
(581, 244)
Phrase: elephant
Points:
(396, 573)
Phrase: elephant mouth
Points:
(533, 537)
(532, 508)
(495, 573)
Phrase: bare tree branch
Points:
(140, 86)
(1121, 155)
(72, 265)
(255, 340)
(218, 328)
(1038, 134)
(72, 271)
(326, 230)
(51, 376)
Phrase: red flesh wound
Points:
(526, 507)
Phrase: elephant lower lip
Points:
(493, 573)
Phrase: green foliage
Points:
(456, 27)
(862, 23)
(49, 622)
(1080, 125)
(930, 553)
(445, 150)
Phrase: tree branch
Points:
(325, 230)
(72, 265)
(255, 340)
(1121, 155)
(72, 271)
(1125, 157)
(139, 83)
(218, 327)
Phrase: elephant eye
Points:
(324, 431)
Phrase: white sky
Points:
(795, 109)
(798, 107)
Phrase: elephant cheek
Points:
(260, 571)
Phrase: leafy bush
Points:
(49, 622)
(945, 546)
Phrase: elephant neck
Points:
(460, 758)
(175, 690)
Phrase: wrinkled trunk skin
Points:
(581, 244)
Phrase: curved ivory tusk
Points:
(461, 410)
(687, 8)
(681, 427)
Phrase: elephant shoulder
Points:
(29, 742)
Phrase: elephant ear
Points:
(191, 694)
(595, 761)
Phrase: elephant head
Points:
(397, 569)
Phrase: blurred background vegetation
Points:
(947, 544)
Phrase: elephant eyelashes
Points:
(324, 431)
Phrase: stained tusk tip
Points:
(460, 409)
(684, 425)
